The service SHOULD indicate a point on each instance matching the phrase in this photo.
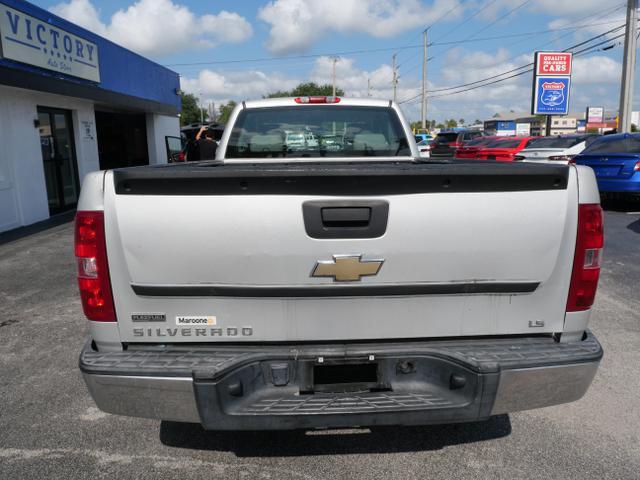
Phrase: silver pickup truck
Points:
(319, 274)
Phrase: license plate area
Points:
(349, 377)
(609, 171)
(287, 393)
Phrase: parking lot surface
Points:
(50, 428)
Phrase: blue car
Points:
(615, 159)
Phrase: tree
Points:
(477, 121)
(190, 111)
(461, 122)
(225, 111)
(306, 90)
(451, 123)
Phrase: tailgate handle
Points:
(345, 218)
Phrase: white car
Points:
(557, 149)
(424, 147)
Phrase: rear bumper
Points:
(272, 387)
(631, 185)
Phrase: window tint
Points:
(614, 145)
(317, 131)
(504, 143)
(590, 139)
(480, 141)
(447, 137)
(470, 135)
(555, 142)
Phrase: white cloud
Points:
(297, 24)
(594, 70)
(566, 7)
(158, 27)
(223, 86)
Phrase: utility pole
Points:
(424, 82)
(200, 107)
(628, 68)
(333, 74)
(395, 76)
(368, 87)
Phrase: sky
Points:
(234, 50)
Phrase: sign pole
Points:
(547, 132)
(424, 83)
(628, 68)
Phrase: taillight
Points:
(181, 157)
(586, 262)
(455, 144)
(93, 268)
(636, 167)
(317, 99)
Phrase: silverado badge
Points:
(346, 268)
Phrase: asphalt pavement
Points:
(50, 428)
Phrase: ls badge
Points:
(346, 268)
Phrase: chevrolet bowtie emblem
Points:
(346, 268)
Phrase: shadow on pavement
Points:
(634, 226)
(331, 442)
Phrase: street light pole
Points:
(333, 74)
(628, 68)
(424, 83)
(395, 76)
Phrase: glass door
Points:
(58, 157)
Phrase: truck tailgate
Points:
(224, 253)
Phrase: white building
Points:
(71, 103)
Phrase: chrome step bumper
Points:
(234, 387)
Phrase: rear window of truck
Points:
(317, 131)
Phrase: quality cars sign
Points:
(29, 40)
(551, 83)
(549, 63)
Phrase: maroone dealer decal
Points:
(191, 320)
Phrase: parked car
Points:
(421, 137)
(470, 149)
(424, 147)
(615, 159)
(503, 149)
(447, 143)
(309, 290)
(557, 149)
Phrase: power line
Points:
(606, 12)
(559, 37)
(474, 85)
(375, 50)
(583, 52)
(452, 9)
(469, 37)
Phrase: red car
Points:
(470, 149)
(503, 149)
